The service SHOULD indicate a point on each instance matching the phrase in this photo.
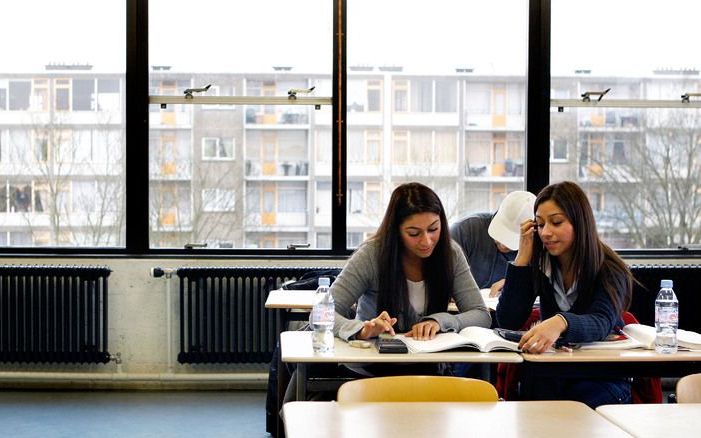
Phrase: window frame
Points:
(136, 99)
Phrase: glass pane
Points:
(55, 137)
(433, 103)
(240, 176)
(640, 166)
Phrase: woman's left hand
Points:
(542, 336)
(424, 330)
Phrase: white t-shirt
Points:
(417, 296)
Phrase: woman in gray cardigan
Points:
(403, 277)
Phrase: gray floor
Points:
(132, 414)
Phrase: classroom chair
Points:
(416, 389)
(689, 389)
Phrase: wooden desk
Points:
(296, 347)
(655, 420)
(290, 299)
(614, 363)
(304, 300)
(449, 420)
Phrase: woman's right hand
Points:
(382, 323)
(525, 244)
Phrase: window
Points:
(445, 106)
(265, 154)
(401, 95)
(635, 150)
(46, 145)
(83, 98)
(216, 148)
(558, 150)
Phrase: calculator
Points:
(509, 335)
(391, 345)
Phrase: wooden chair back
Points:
(689, 389)
(416, 389)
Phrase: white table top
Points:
(290, 299)
(631, 355)
(297, 347)
(655, 420)
(303, 299)
(450, 420)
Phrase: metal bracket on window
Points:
(292, 93)
(188, 91)
(195, 245)
(293, 246)
(586, 96)
(686, 96)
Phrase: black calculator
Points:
(509, 335)
(391, 345)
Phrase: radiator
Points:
(53, 314)
(223, 318)
(687, 287)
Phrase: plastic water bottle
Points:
(666, 318)
(323, 315)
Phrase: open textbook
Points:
(479, 338)
(643, 336)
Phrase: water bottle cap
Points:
(324, 281)
(667, 284)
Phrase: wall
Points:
(138, 333)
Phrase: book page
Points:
(689, 339)
(487, 340)
(644, 334)
(442, 342)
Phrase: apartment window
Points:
(217, 148)
(20, 92)
(62, 89)
(374, 95)
(83, 98)
(40, 95)
(3, 95)
(422, 95)
(558, 150)
(401, 95)
(400, 147)
(446, 93)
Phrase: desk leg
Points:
(486, 371)
(301, 382)
(283, 378)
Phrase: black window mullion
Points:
(537, 172)
(338, 172)
(137, 90)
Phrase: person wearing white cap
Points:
(490, 240)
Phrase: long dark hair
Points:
(592, 259)
(408, 199)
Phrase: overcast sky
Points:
(628, 37)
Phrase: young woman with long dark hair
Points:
(403, 277)
(583, 285)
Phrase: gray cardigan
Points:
(358, 283)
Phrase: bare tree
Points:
(52, 167)
(658, 184)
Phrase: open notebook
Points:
(478, 338)
(643, 336)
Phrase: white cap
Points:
(505, 226)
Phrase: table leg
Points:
(283, 378)
(301, 381)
